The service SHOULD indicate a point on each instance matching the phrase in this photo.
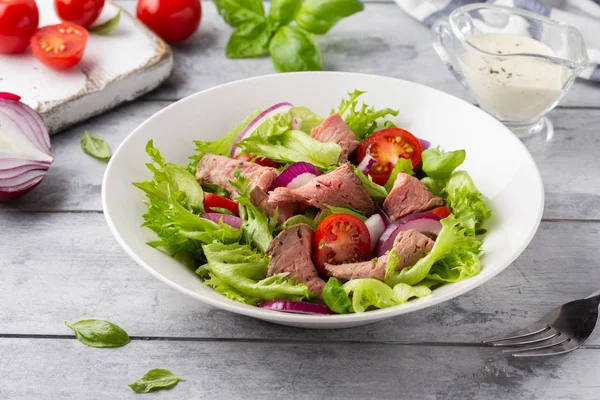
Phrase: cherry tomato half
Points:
(59, 46)
(387, 147)
(18, 21)
(80, 12)
(265, 162)
(341, 238)
(172, 20)
(213, 201)
(441, 212)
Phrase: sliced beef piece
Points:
(409, 196)
(334, 129)
(409, 245)
(260, 198)
(219, 170)
(291, 252)
(340, 187)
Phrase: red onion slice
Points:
(234, 222)
(424, 144)
(376, 227)
(424, 223)
(9, 193)
(296, 307)
(10, 96)
(295, 175)
(280, 108)
(386, 220)
(367, 163)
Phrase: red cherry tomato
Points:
(212, 201)
(441, 212)
(172, 20)
(18, 21)
(80, 12)
(387, 147)
(265, 162)
(339, 239)
(59, 46)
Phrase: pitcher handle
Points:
(440, 32)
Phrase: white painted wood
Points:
(116, 67)
(66, 369)
(67, 266)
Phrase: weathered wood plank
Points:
(65, 267)
(572, 190)
(381, 40)
(233, 370)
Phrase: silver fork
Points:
(562, 330)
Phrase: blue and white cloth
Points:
(582, 14)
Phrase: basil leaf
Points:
(319, 16)
(155, 379)
(95, 147)
(294, 49)
(108, 26)
(439, 164)
(251, 39)
(99, 333)
(335, 297)
(402, 165)
(284, 11)
(237, 12)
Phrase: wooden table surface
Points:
(59, 262)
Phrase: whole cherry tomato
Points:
(18, 21)
(172, 20)
(80, 12)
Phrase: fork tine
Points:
(532, 330)
(552, 342)
(547, 335)
(566, 347)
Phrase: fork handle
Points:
(595, 294)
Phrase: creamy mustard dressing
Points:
(518, 88)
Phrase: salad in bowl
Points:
(319, 214)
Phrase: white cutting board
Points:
(117, 67)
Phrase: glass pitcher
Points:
(515, 63)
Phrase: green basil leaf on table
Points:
(440, 164)
(250, 39)
(95, 147)
(284, 11)
(294, 49)
(155, 379)
(335, 297)
(99, 333)
(108, 26)
(319, 16)
(237, 12)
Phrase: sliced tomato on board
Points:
(441, 212)
(80, 12)
(212, 201)
(341, 238)
(265, 162)
(387, 146)
(18, 21)
(59, 46)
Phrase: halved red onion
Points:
(234, 222)
(295, 175)
(25, 154)
(10, 96)
(386, 220)
(424, 144)
(367, 163)
(376, 227)
(296, 307)
(279, 108)
(425, 223)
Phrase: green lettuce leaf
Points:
(221, 146)
(439, 164)
(347, 210)
(466, 202)
(377, 192)
(402, 165)
(435, 186)
(239, 273)
(335, 297)
(298, 219)
(362, 120)
(310, 120)
(370, 292)
(454, 247)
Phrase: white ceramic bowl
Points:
(500, 165)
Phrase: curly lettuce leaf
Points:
(466, 202)
(454, 248)
(403, 165)
(377, 192)
(309, 119)
(439, 164)
(362, 120)
(239, 273)
(368, 292)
